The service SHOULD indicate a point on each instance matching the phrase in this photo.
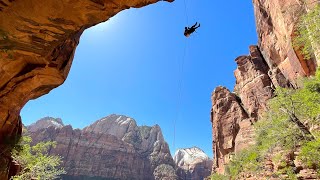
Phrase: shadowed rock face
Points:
(192, 164)
(113, 147)
(37, 41)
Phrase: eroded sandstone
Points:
(226, 114)
(37, 44)
(273, 63)
(234, 113)
(113, 147)
(276, 22)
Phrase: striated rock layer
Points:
(273, 63)
(192, 164)
(233, 113)
(113, 147)
(276, 21)
(37, 44)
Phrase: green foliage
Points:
(277, 134)
(35, 161)
(219, 177)
(288, 171)
(277, 124)
(308, 32)
(248, 160)
(276, 131)
(310, 154)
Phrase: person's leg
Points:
(194, 25)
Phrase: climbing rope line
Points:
(179, 97)
(180, 81)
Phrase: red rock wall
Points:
(233, 114)
(276, 21)
(38, 39)
(273, 63)
(226, 114)
(95, 155)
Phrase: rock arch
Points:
(38, 39)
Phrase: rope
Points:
(179, 98)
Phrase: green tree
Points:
(310, 154)
(247, 161)
(35, 161)
(291, 114)
(307, 36)
(286, 126)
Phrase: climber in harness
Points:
(189, 30)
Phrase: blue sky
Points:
(131, 65)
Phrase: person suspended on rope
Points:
(189, 30)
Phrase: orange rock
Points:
(38, 41)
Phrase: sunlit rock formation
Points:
(38, 39)
(192, 164)
(276, 21)
(45, 123)
(113, 147)
(273, 63)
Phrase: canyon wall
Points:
(37, 44)
(276, 21)
(113, 147)
(273, 63)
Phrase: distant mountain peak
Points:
(44, 123)
(187, 155)
(139, 152)
(193, 163)
(119, 119)
(48, 118)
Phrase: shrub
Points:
(285, 127)
(310, 154)
(218, 177)
(35, 161)
(246, 161)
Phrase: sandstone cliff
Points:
(113, 147)
(37, 44)
(276, 21)
(192, 164)
(273, 63)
